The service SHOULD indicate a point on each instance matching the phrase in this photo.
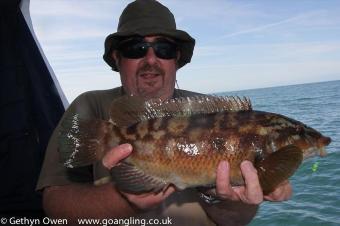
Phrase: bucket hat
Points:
(144, 18)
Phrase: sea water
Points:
(316, 184)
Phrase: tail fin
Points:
(82, 142)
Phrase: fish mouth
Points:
(322, 152)
(324, 141)
(314, 151)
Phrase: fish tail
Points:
(278, 167)
(83, 142)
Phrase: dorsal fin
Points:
(128, 110)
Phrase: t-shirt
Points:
(182, 207)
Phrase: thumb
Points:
(116, 154)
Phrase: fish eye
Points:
(300, 129)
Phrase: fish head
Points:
(288, 131)
(310, 141)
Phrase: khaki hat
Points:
(144, 18)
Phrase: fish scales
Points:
(181, 142)
(212, 145)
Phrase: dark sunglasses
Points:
(136, 48)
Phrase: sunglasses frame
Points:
(127, 45)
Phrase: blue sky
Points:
(239, 44)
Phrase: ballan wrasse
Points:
(181, 141)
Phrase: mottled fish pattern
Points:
(181, 141)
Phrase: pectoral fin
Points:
(278, 167)
(129, 178)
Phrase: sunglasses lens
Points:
(133, 49)
(165, 49)
(136, 48)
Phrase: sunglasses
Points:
(136, 48)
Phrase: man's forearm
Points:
(83, 201)
(230, 213)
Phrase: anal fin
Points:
(278, 167)
(129, 178)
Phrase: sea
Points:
(316, 184)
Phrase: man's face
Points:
(148, 76)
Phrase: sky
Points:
(240, 44)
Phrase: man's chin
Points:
(151, 94)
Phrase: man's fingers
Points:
(253, 192)
(168, 191)
(222, 178)
(223, 187)
(116, 154)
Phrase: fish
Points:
(181, 141)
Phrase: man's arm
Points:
(76, 201)
(79, 201)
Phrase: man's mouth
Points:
(148, 71)
(149, 75)
(150, 80)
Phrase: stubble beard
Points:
(150, 81)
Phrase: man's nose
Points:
(150, 56)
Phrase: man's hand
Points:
(251, 192)
(141, 201)
(239, 204)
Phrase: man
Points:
(147, 50)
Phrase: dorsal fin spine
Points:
(128, 110)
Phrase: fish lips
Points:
(324, 141)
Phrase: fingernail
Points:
(223, 165)
(246, 164)
(125, 147)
